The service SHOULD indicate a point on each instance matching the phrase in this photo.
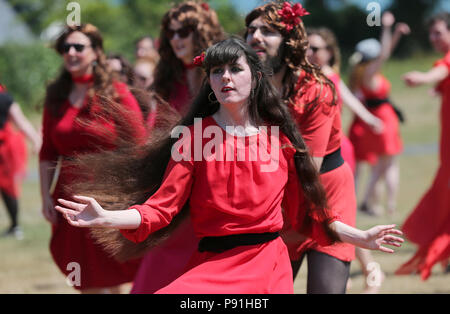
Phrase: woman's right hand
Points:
(84, 212)
(48, 210)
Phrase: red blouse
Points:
(63, 136)
(444, 88)
(320, 124)
(229, 196)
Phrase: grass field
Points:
(26, 266)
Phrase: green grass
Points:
(26, 266)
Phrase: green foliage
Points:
(26, 70)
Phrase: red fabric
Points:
(369, 145)
(229, 197)
(181, 98)
(428, 225)
(13, 160)
(321, 130)
(64, 136)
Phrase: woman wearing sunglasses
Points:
(187, 30)
(74, 124)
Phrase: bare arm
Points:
(25, 126)
(433, 76)
(372, 239)
(359, 109)
(46, 174)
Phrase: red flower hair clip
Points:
(205, 6)
(198, 61)
(291, 14)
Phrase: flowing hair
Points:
(131, 174)
(294, 48)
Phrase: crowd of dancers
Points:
(126, 209)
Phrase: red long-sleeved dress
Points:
(428, 225)
(230, 196)
(64, 136)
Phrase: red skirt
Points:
(369, 145)
(252, 269)
(165, 263)
(70, 244)
(428, 226)
(340, 188)
(348, 152)
(13, 160)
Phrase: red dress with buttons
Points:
(64, 137)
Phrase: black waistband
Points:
(221, 244)
(332, 161)
(374, 103)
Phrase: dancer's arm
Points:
(46, 173)
(359, 109)
(433, 76)
(25, 126)
(372, 239)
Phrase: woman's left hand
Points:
(381, 235)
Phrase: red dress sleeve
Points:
(315, 120)
(48, 151)
(158, 211)
(296, 213)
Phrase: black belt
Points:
(224, 243)
(374, 103)
(332, 161)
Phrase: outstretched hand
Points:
(381, 235)
(84, 212)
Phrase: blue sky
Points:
(244, 6)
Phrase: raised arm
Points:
(433, 76)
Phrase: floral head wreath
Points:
(291, 15)
(198, 61)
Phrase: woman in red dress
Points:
(13, 156)
(187, 29)
(74, 124)
(235, 202)
(324, 51)
(379, 149)
(428, 225)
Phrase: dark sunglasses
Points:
(78, 47)
(182, 32)
(315, 49)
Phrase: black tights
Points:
(326, 274)
(12, 207)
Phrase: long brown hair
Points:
(295, 46)
(131, 174)
(206, 30)
(59, 90)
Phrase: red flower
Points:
(198, 61)
(291, 14)
(205, 6)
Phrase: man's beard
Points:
(276, 63)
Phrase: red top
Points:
(444, 88)
(320, 124)
(63, 136)
(336, 79)
(181, 97)
(229, 196)
(381, 92)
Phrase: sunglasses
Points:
(315, 49)
(182, 32)
(78, 47)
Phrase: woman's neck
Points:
(235, 117)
